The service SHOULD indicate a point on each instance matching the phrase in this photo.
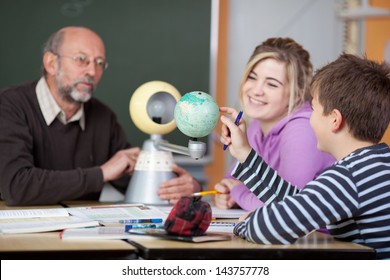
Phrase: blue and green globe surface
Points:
(196, 114)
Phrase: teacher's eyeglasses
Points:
(83, 61)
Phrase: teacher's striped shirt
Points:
(351, 198)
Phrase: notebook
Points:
(161, 233)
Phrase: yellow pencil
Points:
(205, 193)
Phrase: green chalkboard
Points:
(167, 40)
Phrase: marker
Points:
(236, 122)
(205, 193)
(140, 221)
(127, 227)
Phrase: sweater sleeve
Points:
(22, 183)
(289, 215)
(299, 159)
(245, 198)
(242, 195)
(118, 142)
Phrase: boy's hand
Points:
(234, 135)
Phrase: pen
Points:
(140, 221)
(236, 122)
(222, 224)
(205, 193)
(127, 227)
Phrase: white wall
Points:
(312, 23)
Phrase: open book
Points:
(124, 213)
(33, 213)
(51, 219)
(30, 225)
(40, 220)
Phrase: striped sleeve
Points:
(330, 198)
(262, 180)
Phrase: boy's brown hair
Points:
(360, 89)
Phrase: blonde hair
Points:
(298, 67)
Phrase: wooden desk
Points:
(314, 246)
(48, 245)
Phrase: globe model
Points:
(196, 114)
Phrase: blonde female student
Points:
(274, 93)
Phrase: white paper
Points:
(33, 213)
(219, 213)
(29, 225)
(116, 214)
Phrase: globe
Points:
(196, 114)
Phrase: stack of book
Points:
(122, 221)
(52, 219)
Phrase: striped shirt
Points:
(351, 198)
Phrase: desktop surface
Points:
(316, 245)
(49, 245)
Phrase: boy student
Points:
(351, 101)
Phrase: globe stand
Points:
(152, 168)
(196, 149)
(155, 108)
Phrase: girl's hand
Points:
(234, 135)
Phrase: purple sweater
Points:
(290, 148)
